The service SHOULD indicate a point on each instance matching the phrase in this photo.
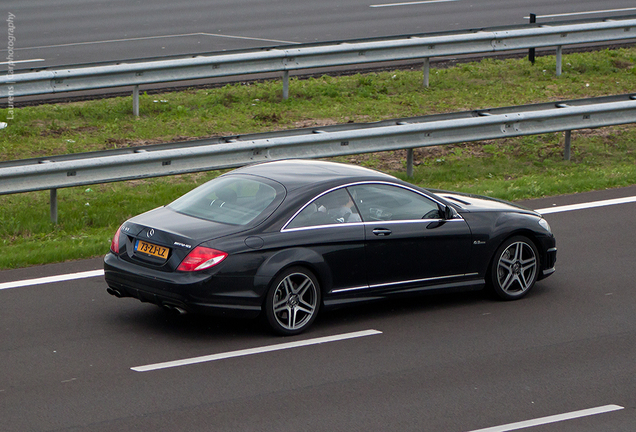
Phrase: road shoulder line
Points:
(51, 279)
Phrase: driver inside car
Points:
(339, 206)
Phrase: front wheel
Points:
(514, 268)
(293, 301)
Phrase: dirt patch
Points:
(61, 130)
(54, 132)
(396, 160)
(119, 142)
(309, 123)
(622, 64)
(267, 117)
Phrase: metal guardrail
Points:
(227, 152)
(297, 57)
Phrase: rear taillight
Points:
(114, 244)
(201, 258)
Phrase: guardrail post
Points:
(285, 85)
(559, 55)
(566, 150)
(531, 51)
(409, 163)
(426, 68)
(53, 202)
(136, 101)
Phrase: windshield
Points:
(234, 200)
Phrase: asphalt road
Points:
(66, 32)
(457, 362)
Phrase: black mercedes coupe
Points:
(288, 238)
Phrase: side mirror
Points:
(448, 212)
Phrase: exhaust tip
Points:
(114, 292)
(174, 310)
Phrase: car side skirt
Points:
(340, 297)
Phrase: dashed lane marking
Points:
(253, 351)
(587, 205)
(585, 13)
(552, 419)
(411, 3)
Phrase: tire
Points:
(514, 268)
(292, 301)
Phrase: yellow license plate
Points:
(151, 249)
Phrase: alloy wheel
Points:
(517, 268)
(295, 302)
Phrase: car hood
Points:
(478, 203)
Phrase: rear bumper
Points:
(191, 292)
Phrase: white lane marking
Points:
(551, 419)
(584, 13)
(588, 205)
(411, 3)
(152, 37)
(252, 351)
(22, 61)
(247, 38)
(51, 279)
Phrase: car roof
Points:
(296, 173)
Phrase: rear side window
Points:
(336, 207)
(234, 200)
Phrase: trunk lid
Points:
(162, 238)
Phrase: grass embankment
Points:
(510, 169)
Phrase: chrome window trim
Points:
(349, 224)
(341, 290)
(345, 224)
(456, 215)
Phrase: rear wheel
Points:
(293, 301)
(514, 268)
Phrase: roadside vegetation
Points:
(511, 169)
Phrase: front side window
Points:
(234, 200)
(381, 202)
(335, 207)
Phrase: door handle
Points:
(381, 232)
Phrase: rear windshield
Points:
(234, 200)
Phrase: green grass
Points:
(511, 169)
